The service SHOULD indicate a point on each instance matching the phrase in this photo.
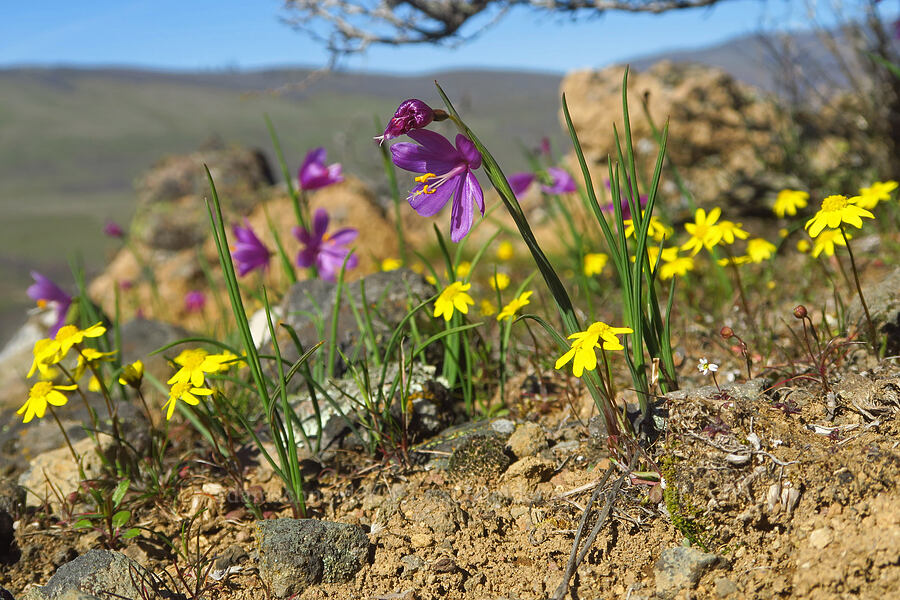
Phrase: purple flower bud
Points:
(248, 251)
(545, 146)
(113, 229)
(411, 114)
(194, 301)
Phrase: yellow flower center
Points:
(192, 359)
(41, 389)
(423, 179)
(180, 388)
(834, 203)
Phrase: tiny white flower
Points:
(707, 367)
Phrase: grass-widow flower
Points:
(837, 209)
(447, 172)
(194, 301)
(46, 293)
(248, 251)
(326, 251)
(411, 114)
(454, 297)
(559, 182)
(113, 229)
(314, 174)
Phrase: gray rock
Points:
(308, 307)
(883, 300)
(483, 456)
(142, 337)
(297, 553)
(681, 568)
(101, 573)
(411, 563)
(12, 503)
(725, 587)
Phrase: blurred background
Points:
(93, 94)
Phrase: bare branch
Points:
(352, 26)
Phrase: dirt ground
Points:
(794, 488)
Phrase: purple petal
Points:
(417, 159)
(472, 191)
(467, 149)
(561, 182)
(320, 223)
(461, 214)
(44, 289)
(520, 182)
(428, 205)
(342, 237)
(307, 256)
(316, 156)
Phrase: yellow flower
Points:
(226, 360)
(594, 263)
(835, 210)
(132, 374)
(803, 246)
(499, 281)
(69, 335)
(195, 364)
(657, 230)
(391, 264)
(431, 279)
(759, 250)
(505, 251)
(674, 265)
(510, 310)
(827, 240)
(487, 308)
(89, 356)
(582, 353)
(453, 297)
(783, 233)
(735, 260)
(94, 384)
(731, 230)
(788, 201)
(43, 393)
(869, 197)
(463, 269)
(703, 231)
(46, 353)
(183, 390)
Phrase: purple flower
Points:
(248, 252)
(194, 301)
(560, 182)
(47, 293)
(447, 172)
(897, 29)
(113, 229)
(314, 174)
(545, 146)
(412, 114)
(326, 251)
(623, 202)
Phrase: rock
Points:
(142, 337)
(16, 357)
(531, 468)
(98, 572)
(821, 537)
(411, 563)
(308, 307)
(12, 505)
(5, 594)
(297, 553)
(482, 456)
(58, 468)
(883, 300)
(527, 440)
(725, 587)
(171, 214)
(726, 130)
(681, 568)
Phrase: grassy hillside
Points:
(73, 141)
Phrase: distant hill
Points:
(72, 141)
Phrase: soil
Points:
(794, 488)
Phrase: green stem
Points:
(873, 337)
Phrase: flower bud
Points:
(800, 311)
(726, 332)
(411, 114)
(132, 374)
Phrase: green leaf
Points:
(82, 523)
(133, 532)
(120, 492)
(120, 518)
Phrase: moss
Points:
(684, 515)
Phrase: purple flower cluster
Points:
(194, 301)
(560, 182)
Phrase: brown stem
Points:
(65, 435)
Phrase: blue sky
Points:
(217, 34)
